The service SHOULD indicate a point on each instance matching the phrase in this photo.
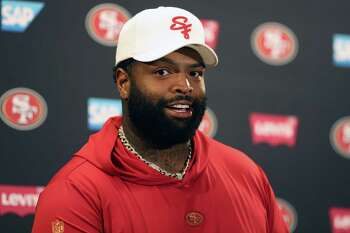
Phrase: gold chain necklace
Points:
(129, 147)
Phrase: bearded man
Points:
(151, 170)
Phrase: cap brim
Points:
(208, 55)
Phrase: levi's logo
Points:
(20, 200)
(179, 23)
(340, 220)
(273, 129)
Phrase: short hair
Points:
(125, 65)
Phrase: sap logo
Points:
(99, 110)
(17, 15)
(341, 50)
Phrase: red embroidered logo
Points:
(179, 23)
(57, 226)
(194, 218)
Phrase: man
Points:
(151, 171)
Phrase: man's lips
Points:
(180, 109)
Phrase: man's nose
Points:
(182, 84)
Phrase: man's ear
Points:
(122, 82)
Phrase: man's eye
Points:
(162, 72)
(196, 74)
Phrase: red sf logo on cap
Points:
(179, 23)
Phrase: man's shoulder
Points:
(225, 151)
(233, 164)
(77, 173)
(221, 153)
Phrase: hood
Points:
(105, 151)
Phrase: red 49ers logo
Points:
(104, 23)
(179, 23)
(288, 212)
(274, 43)
(211, 31)
(194, 218)
(23, 109)
(209, 123)
(340, 137)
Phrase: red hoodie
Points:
(105, 188)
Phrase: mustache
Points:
(197, 103)
(179, 97)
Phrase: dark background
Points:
(57, 58)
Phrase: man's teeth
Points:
(180, 106)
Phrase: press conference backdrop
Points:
(280, 94)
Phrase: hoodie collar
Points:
(105, 150)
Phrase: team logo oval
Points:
(289, 214)
(274, 43)
(340, 137)
(104, 23)
(23, 108)
(209, 123)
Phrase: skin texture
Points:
(178, 73)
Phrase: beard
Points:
(155, 127)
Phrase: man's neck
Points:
(171, 159)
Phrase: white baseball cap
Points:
(154, 33)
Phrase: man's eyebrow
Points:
(171, 62)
